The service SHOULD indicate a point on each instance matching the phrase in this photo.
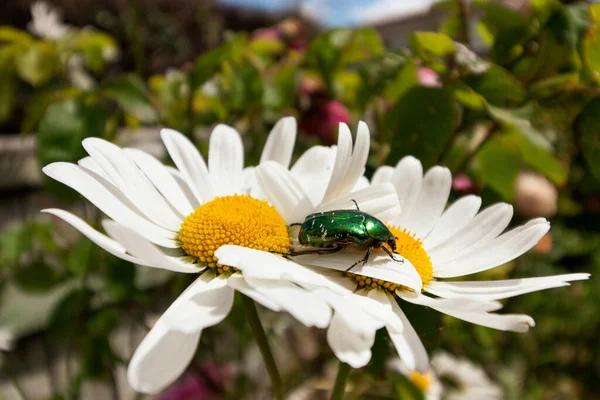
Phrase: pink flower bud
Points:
(535, 196)
(428, 77)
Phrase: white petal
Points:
(161, 358)
(348, 346)
(378, 200)
(283, 191)
(461, 304)
(237, 282)
(500, 289)
(482, 229)
(108, 201)
(505, 322)
(141, 248)
(259, 264)
(190, 163)
(206, 302)
(380, 266)
(185, 188)
(313, 171)
(361, 183)
(160, 177)
(225, 160)
(308, 309)
(383, 174)
(407, 343)
(132, 182)
(112, 246)
(431, 202)
(456, 217)
(342, 161)
(280, 143)
(91, 165)
(407, 178)
(379, 304)
(499, 251)
(249, 182)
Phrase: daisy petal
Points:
(108, 201)
(280, 143)
(460, 304)
(383, 174)
(161, 358)
(499, 251)
(237, 282)
(283, 191)
(430, 203)
(501, 289)
(407, 343)
(313, 171)
(206, 302)
(377, 200)
(112, 246)
(259, 264)
(348, 346)
(482, 229)
(143, 249)
(456, 217)
(132, 182)
(91, 165)
(342, 161)
(407, 178)
(160, 177)
(190, 163)
(225, 160)
(185, 188)
(308, 309)
(379, 267)
(356, 167)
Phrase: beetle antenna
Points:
(355, 203)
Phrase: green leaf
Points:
(208, 63)
(12, 35)
(468, 97)
(497, 86)
(520, 119)
(364, 44)
(8, 89)
(66, 316)
(38, 104)
(422, 122)
(61, 131)
(97, 48)
(14, 243)
(431, 45)
(538, 158)
(405, 79)
(132, 95)
(589, 128)
(246, 88)
(591, 44)
(120, 277)
(36, 278)
(80, 257)
(498, 165)
(38, 64)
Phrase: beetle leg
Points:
(328, 250)
(389, 253)
(355, 203)
(363, 260)
(295, 224)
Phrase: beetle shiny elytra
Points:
(333, 231)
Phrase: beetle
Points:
(332, 231)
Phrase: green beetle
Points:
(333, 231)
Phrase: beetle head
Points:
(392, 243)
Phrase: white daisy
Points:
(451, 378)
(435, 242)
(176, 219)
(46, 22)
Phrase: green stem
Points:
(340, 382)
(263, 345)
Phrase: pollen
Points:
(407, 246)
(239, 220)
(422, 381)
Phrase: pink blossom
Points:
(324, 120)
(462, 183)
(428, 77)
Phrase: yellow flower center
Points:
(409, 247)
(422, 381)
(240, 220)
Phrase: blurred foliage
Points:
(528, 100)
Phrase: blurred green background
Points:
(504, 93)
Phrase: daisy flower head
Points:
(435, 241)
(202, 219)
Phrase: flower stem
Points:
(263, 345)
(340, 382)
